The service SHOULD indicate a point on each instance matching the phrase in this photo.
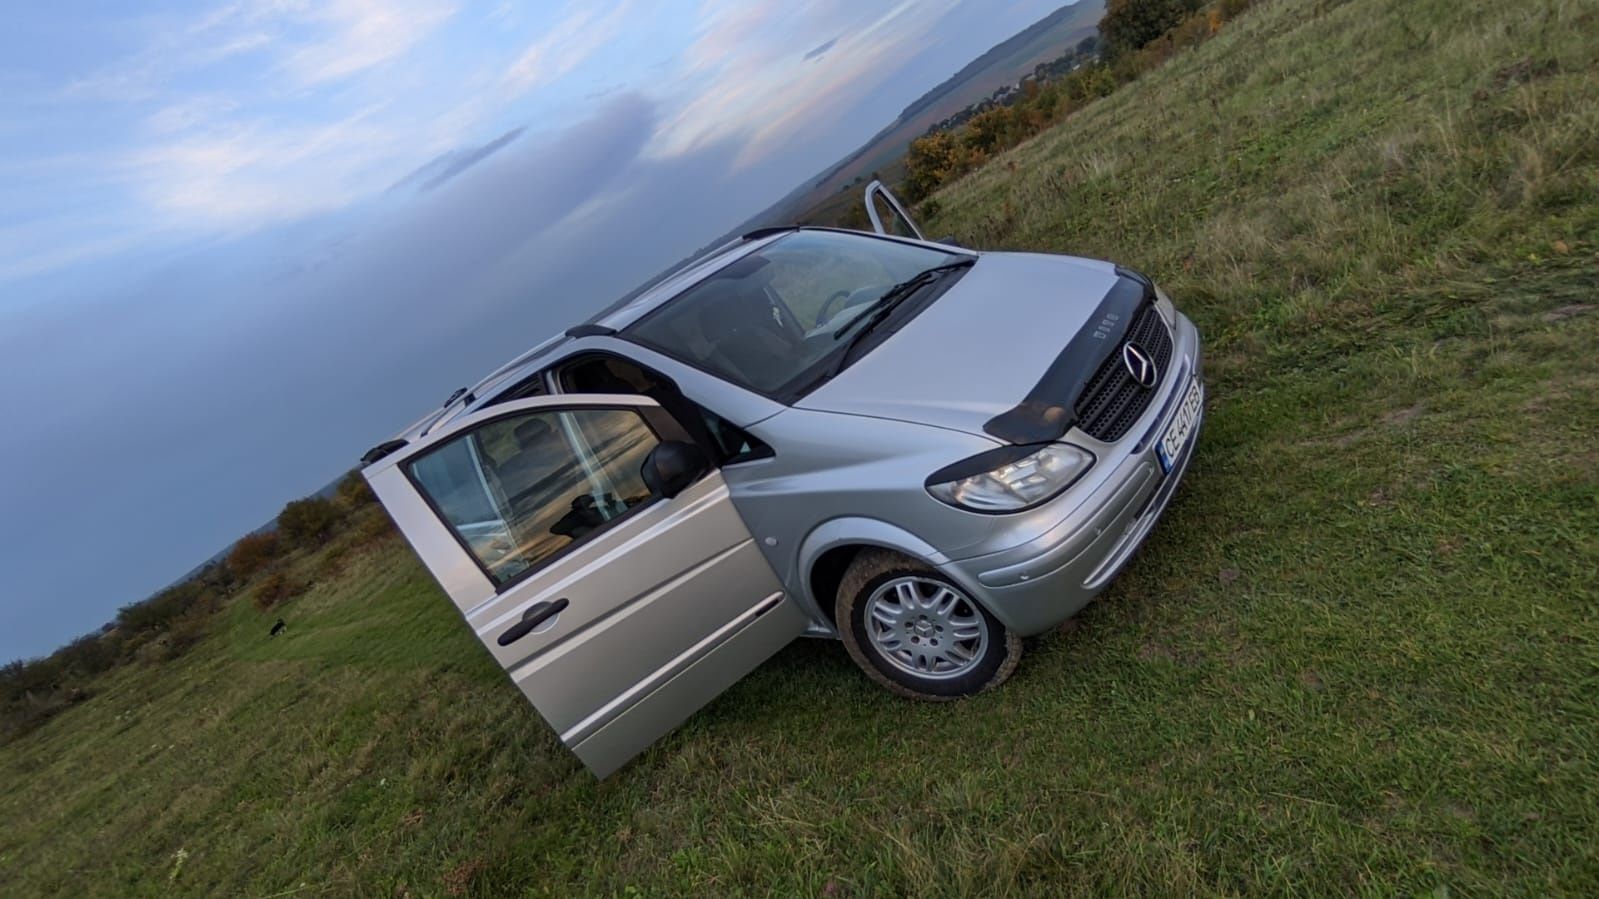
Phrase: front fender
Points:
(860, 531)
(857, 531)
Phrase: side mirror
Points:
(672, 466)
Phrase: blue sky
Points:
(242, 241)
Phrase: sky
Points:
(241, 242)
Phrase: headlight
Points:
(1010, 478)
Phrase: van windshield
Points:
(771, 320)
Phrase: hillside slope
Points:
(1361, 653)
(1012, 54)
(1002, 64)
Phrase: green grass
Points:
(1361, 653)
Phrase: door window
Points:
(521, 489)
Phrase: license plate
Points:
(1181, 427)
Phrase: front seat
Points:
(748, 341)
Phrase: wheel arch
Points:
(827, 551)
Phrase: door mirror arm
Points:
(671, 467)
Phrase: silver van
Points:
(925, 452)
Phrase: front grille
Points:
(1111, 400)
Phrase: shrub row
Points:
(167, 624)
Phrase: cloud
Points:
(311, 42)
(359, 34)
(200, 369)
(29, 255)
(445, 166)
(751, 87)
(818, 51)
(189, 113)
(241, 175)
(580, 34)
(246, 114)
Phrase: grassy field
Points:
(1361, 654)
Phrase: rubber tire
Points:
(872, 567)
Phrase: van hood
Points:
(978, 350)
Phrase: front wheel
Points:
(915, 632)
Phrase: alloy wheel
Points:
(925, 627)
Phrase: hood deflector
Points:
(1049, 410)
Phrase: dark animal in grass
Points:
(278, 628)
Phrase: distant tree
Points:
(1130, 24)
(88, 655)
(159, 611)
(354, 492)
(990, 130)
(218, 577)
(20, 678)
(303, 522)
(931, 162)
(252, 553)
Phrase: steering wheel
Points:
(827, 313)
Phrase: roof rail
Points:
(760, 233)
(381, 450)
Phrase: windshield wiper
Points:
(879, 312)
(892, 297)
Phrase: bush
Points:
(184, 633)
(23, 712)
(275, 588)
(89, 655)
(1130, 24)
(159, 611)
(354, 492)
(31, 692)
(933, 161)
(374, 524)
(252, 553)
(218, 578)
(305, 522)
(20, 678)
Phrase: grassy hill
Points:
(1004, 63)
(1360, 654)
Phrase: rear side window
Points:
(521, 489)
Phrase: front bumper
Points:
(1037, 585)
